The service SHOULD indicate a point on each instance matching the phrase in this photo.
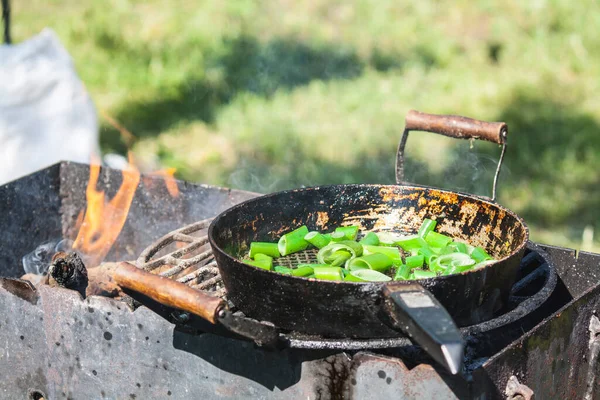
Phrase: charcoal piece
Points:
(68, 271)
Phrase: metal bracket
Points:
(400, 162)
(517, 391)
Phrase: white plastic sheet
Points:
(46, 115)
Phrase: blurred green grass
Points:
(278, 94)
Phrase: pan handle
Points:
(168, 292)
(453, 126)
(413, 310)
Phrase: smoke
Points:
(469, 168)
(254, 178)
(38, 261)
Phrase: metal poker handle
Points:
(452, 126)
(168, 292)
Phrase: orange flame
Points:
(102, 222)
(168, 175)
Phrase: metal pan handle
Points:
(168, 292)
(453, 126)
(413, 310)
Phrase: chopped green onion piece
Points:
(370, 239)
(435, 239)
(460, 247)
(312, 265)
(436, 250)
(427, 253)
(446, 261)
(457, 269)
(448, 250)
(317, 239)
(282, 270)
(367, 275)
(302, 271)
(337, 236)
(293, 241)
(355, 249)
(376, 261)
(269, 249)
(340, 257)
(420, 274)
(411, 242)
(427, 226)
(415, 261)
(391, 252)
(328, 273)
(402, 273)
(261, 256)
(387, 238)
(263, 264)
(479, 254)
(350, 232)
(483, 264)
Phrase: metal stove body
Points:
(58, 345)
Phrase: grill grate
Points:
(185, 255)
(304, 257)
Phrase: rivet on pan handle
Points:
(453, 126)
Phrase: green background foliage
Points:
(268, 95)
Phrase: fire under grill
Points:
(543, 345)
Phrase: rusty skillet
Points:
(426, 310)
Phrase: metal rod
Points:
(6, 18)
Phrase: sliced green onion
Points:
(317, 239)
(269, 249)
(415, 261)
(391, 252)
(446, 261)
(355, 249)
(387, 238)
(479, 254)
(350, 232)
(293, 241)
(460, 247)
(282, 270)
(376, 261)
(457, 269)
(402, 273)
(339, 258)
(260, 257)
(312, 265)
(427, 226)
(411, 242)
(328, 273)
(337, 236)
(483, 264)
(421, 274)
(303, 271)
(370, 239)
(367, 275)
(263, 264)
(435, 239)
(427, 253)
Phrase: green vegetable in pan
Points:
(376, 257)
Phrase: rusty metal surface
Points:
(45, 205)
(551, 358)
(66, 347)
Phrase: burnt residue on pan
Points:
(342, 309)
